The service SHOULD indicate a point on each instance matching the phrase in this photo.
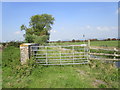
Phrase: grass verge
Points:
(95, 75)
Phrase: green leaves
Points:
(41, 22)
(41, 39)
(23, 27)
(29, 38)
(39, 27)
(37, 39)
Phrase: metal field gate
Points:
(60, 55)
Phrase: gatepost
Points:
(25, 52)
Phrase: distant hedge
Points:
(12, 43)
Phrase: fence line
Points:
(70, 53)
(105, 54)
(108, 49)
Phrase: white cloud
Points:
(53, 31)
(88, 26)
(103, 28)
(17, 32)
(99, 28)
(106, 28)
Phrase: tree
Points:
(39, 28)
(108, 39)
(73, 40)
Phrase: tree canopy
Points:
(39, 28)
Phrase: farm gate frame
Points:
(60, 55)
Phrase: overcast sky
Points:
(72, 19)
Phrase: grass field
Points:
(97, 74)
(105, 43)
(93, 43)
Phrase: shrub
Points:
(12, 43)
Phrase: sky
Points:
(60, 0)
(72, 19)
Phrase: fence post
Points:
(25, 52)
(73, 53)
(60, 54)
(88, 49)
(31, 52)
(87, 52)
(114, 53)
(46, 55)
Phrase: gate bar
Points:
(46, 55)
(73, 53)
(60, 54)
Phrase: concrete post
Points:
(25, 52)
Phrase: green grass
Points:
(95, 75)
(0, 69)
(105, 43)
(92, 43)
(58, 77)
(79, 76)
(10, 57)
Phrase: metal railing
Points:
(60, 55)
(72, 54)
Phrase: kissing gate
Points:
(60, 55)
